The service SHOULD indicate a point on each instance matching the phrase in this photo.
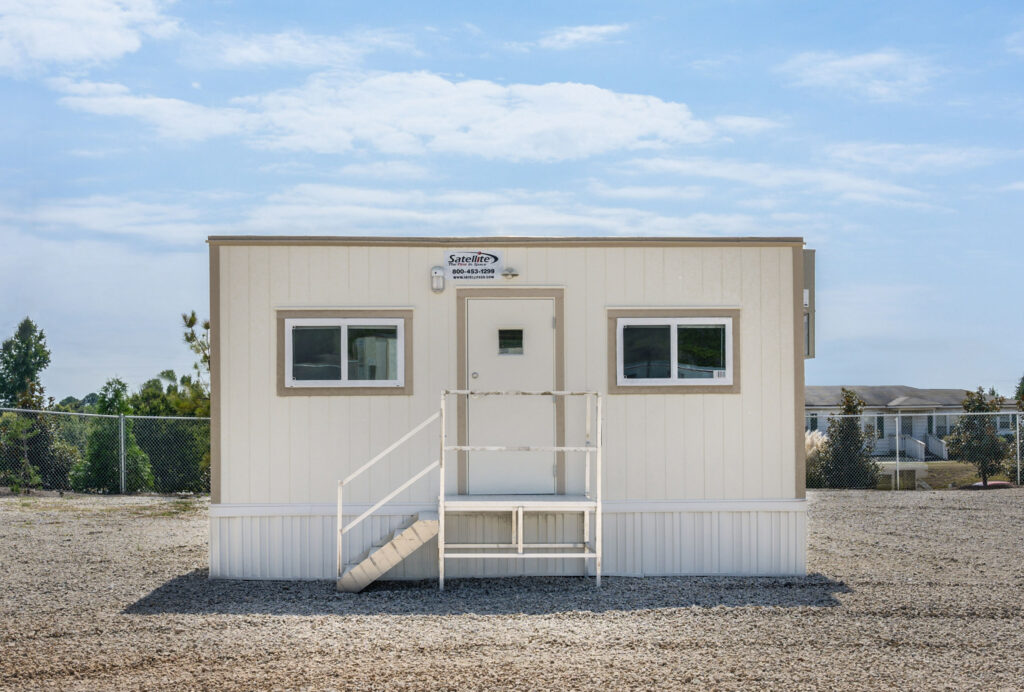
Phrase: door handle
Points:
(475, 375)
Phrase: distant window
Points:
(812, 421)
(678, 351)
(372, 356)
(1006, 422)
(880, 426)
(510, 342)
(941, 426)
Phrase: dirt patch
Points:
(912, 590)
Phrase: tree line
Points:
(83, 453)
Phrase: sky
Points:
(890, 135)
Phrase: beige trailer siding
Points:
(294, 449)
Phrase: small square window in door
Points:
(510, 342)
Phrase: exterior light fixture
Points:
(510, 273)
(437, 279)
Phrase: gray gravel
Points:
(920, 590)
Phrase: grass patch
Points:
(83, 506)
(943, 474)
(166, 509)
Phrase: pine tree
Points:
(22, 358)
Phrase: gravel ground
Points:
(917, 590)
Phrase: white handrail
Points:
(342, 530)
(387, 498)
(592, 550)
(391, 448)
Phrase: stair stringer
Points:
(401, 544)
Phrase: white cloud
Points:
(296, 48)
(885, 75)
(573, 36)
(387, 170)
(75, 33)
(415, 113)
(648, 192)
(913, 158)
(762, 203)
(744, 124)
(1014, 187)
(318, 208)
(172, 118)
(116, 215)
(843, 185)
(420, 112)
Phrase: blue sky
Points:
(889, 135)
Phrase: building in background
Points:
(921, 417)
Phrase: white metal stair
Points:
(402, 543)
(427, 525)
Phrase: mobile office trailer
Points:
(644, 411)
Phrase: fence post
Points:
(121, 454)
(1018, 441)
(899, 432)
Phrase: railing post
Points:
(586, 470)
(597, 497)
(899, 432)
(440, 498)
(341, 524)
(120, 456)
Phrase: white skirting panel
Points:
(764, 538)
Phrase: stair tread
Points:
(400, 544)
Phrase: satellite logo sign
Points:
(474, 265)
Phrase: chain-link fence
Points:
(913, 451)
(86, 452)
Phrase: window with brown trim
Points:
(673, 351)
(344, 352)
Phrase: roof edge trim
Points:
(438, 241)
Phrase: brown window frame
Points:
(373, 313)
(613, 355)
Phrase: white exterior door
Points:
(510, 347)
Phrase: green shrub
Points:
(16, 434)
(974, 438)
(100, 470)
(846, 452)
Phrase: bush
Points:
(100, 470)
(974, 438)
(181, 447)
(61, 459)
(16, 435)
(814, 441)
(846, 451)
